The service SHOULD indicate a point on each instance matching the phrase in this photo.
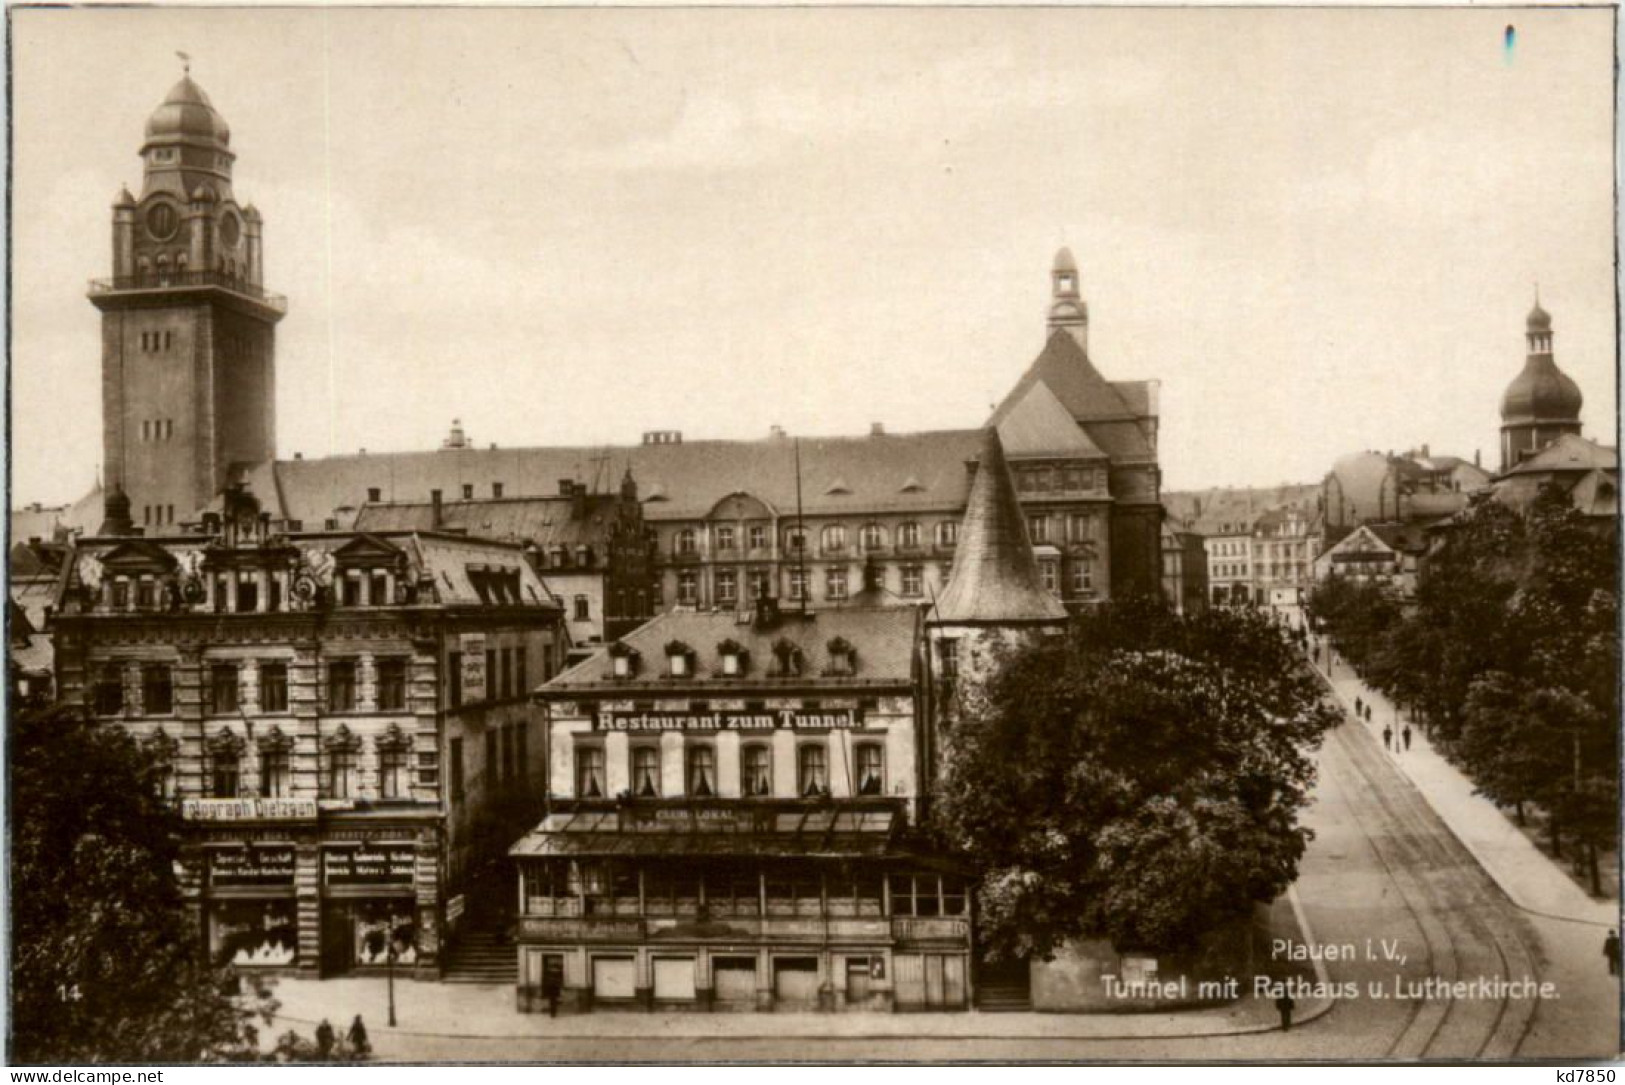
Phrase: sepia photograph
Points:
(837, 535)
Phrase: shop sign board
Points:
(370, 864)
(251, 866)
(248, 809)
(790, 719)
(473, 648)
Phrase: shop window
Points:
(871, 769)
(812, 770)
(385, 929)
(590, 780)
(702, 771)
(341, 685)
(391, 685)
(157, 690)
(223, 688)
(253, 933)
(646, 772)
(756, 771)
(273, 687)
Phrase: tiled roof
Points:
(884, 638)
(1038, 425)
(995, 577)
(544, 520)
(677, 481)
(1569, 452)
(1109, 412)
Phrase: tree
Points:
(1138, 779)
(105, 967)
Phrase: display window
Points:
(253, 933)
(380, 923)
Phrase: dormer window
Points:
(786, 658)
(734, 658)
(679, 659)
(843, 657)
(623, 660)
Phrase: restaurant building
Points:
(731, 798)
(341, 719)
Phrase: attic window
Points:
(911, 486)
(623, 660)
(734, 658)
(839, 486)
(843, 657)
(679, 659)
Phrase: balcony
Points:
(133, 283)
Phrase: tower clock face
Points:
(161, 221)
(230, 229)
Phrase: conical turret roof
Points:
(995, 577)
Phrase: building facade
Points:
(730, 804)
(342, 717)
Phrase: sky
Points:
(1320, 230)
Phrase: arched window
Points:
(873, 538)
(646, 771)
(908, 535)
(756, 771)
(947, 533)
(702, 771)
(871, 769)
(812, 764)
(834, 540)
(795, 540)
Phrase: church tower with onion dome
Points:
(1542, 403)
(188, 330)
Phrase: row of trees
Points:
(1138, 779)
(1509, 656)
(105, 965)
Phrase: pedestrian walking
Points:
(1387, 738)
(324, 1040)
(550, 991)
(1610, 949)
(358, 1037)
(1368, 713)
(1406, 735)
(1284, 1006)
(1359, 707)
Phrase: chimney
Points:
(775, 431)
(1478, 457)
(434, 509)
(877, 429)
(298, 455)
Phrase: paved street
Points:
(1385, 877)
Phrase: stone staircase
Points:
(482, 956)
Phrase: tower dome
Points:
(1542, 391)
(1539, 319)
(186, 114)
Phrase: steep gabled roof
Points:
(1039, 425)
(1062, 364)
(995, 577)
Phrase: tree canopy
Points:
(1139, 778)
(105, 967)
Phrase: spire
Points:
(995, 577)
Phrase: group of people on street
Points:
(1362, 711)
(326, 1039)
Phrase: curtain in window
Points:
(590, 773)
(814, 771)
(757, 772)
(871, 777)
(646, 772)
(701, 772)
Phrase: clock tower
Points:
(188, 330)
